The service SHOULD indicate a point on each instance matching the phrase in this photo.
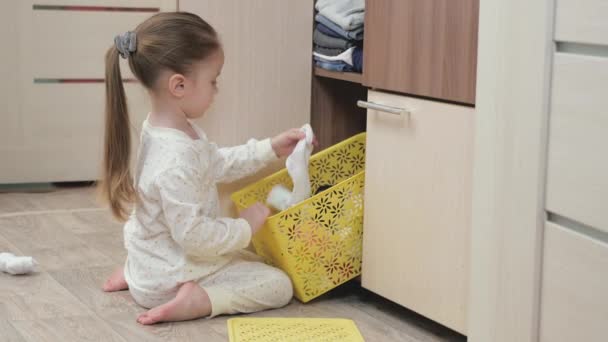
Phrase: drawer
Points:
(46, 114)
(56, 134)
(418, 206)
(423, 48)
(574, 302)
(577, 183)
(582, 21)
(118, 3)
(76, 53)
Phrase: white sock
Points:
(279, 198)
(12, 264)
(297, 167)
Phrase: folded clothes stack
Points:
(338, 35)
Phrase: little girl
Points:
(183, 260)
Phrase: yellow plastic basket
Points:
(318, 241)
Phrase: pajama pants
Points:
(242, 286)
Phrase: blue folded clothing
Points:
(334, 66)
(327, 51)
(328, 41)
(326, 30)
(358, 59)
(354, 59)
(356, 34)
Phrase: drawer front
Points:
(417, 206)
(58, 134)
(577, 185)
(582, 21)
(574, 302)
(54, 120)
(423, 48)
(74, 41)
(87, 3)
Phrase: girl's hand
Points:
(256, 216)
(284, 143)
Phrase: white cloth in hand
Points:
(12, 264)
(297, 167)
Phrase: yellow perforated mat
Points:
(293, 330)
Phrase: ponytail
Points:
(165, 41)
(117, 185)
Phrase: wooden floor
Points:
(78, 244)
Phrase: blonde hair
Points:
(165, 41)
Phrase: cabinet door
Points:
(422, 47)
(52, 100)
(418, 206)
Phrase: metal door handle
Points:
(383, 108)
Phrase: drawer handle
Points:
(383, 108)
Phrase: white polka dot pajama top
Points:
(174, 234)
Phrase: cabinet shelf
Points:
(344, 76)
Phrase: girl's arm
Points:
(241, 161)
(183, 208)
(237, 162)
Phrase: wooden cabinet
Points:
(574, 303)
(417, 206)
(52, 100)
(540, 252)
(422, 47)
(419, 166)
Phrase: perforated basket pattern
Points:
(317, 242)
(292, 330)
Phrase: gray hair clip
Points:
(126, 43)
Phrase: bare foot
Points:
(116, 282)
(190, 302)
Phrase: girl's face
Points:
(200, 86)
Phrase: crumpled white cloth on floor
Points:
(280, 197)
(12, 264)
